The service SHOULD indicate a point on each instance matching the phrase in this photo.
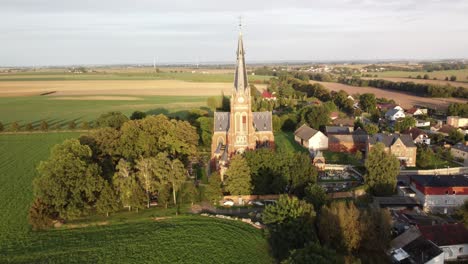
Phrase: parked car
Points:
(257, 203)
(228, 203)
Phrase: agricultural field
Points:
(462, 75)
(121, 239)
(403, 99)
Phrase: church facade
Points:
(240, 129)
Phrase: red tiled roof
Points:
(412, 110)
(267, 94)
(445, 235)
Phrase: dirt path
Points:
(405, 100)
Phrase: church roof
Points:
(221, 121)
(262, 121)
(240, 77)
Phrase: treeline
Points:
(130, 166)
(458, 109)
(420, 89)
(444, 66)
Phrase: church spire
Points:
(240, 78)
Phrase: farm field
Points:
(34, 109)
(182, 239)
(462, 75)
(405, 100)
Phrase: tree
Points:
(456, 136)
(313, 253)
(315, 116)
(426, 76)
(137, 115)
(2, 128)
(146, 174)
(213, 191)
(72, 124)
(44, 126)
(453, 78)
(85, 125)
(126, 186)
(463, 212)
(371, 129)
(69, 181)
(111, 119)
(299, 170)
(108, 201)
(189, 193)
(15, 127)
(425, 157)
(237, 178)
(405, 123)
(176, 177)
(316, 195)
(290, 225)
(382, 171)
(367, 102)
(339, 226)
(41, 215)
(29, 127)
(376, 229)
(205, 125)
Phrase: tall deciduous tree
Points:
(69, 181)
(126, 185)
(367, 102)
(147, 176)
(290, 225)
(382, 171)
(371, 129)
(108, 201)
(375, 229)
(177, 177)
(213, 191)
(316, 195)
(237, 178)
(111, 119)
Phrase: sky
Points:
(71, 32)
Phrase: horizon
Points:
(57, 33)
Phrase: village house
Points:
(310, 138)
(450, 238)
(388, 106)
(329, 130)
(418, 136)
(460, 152)
(334, 115)
(267, 96)
(400, 145)
(442, 129)
(416, 111)
(457, 121)
(348, 142)
(440, 194)
(422, 123)
(394, 114)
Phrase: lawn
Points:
(34, 109)
(285, 141)
(340, 158)
(125, 238)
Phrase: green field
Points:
(182, 76)
(128, 238)
(462, 75)
(34, 109)
(285, 141)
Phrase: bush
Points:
(137, 115)
(44, 126)
(71, 125)
(15, 126)
(29, 127)
(41, 215)
(1, 127)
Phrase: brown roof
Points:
(414, 132)
(445, 235)
(343, 122)
(446, 129)
(389, 139)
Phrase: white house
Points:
(422, 123)
(415, 111)
(311, 138)
(394, 114)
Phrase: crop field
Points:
(462, 75)
(182, 239)
(403, 99)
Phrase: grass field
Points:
(26, 109)
(126, 239)
(285, 140)
(462, 75)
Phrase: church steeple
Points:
(240, 78)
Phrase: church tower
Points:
(240, 129)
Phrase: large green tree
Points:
(108, 201)
(125, 183)
(69, 180)
(316, 195)
(213, 191)
(148, 177)
(111, 119)
(382, 171)
(376, 229)
(290, 225)
(367, 102)
(315, 116)
(237, 177)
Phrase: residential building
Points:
(334, 115)
(311, 138)
(440, 194)
(422, 123)
(400, 145)
(450, 238)
(268, 96)
(329, 130)
(416, 111)
(418, 136)
(240, 129)
(348, 142)
(457, 121)
(460, 152)
(394, 114)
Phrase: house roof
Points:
(414, 132)
(262, 121)
(446, 129)
(339, 129)
(266, 94)
(441, 181)
(461, 146)
(334, 115)
(422, 250)
(386, 106)
(412, 110)
(445, 235)
(404, 239)
(343, 122)
(305, 132)
(389, 139)
(392, 112)
(221, 121)
(390, 201)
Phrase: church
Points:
(240, 129)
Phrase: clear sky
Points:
(66, 32)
